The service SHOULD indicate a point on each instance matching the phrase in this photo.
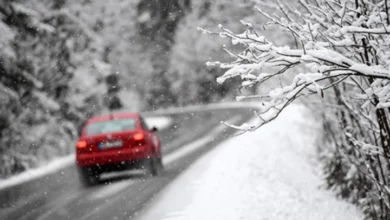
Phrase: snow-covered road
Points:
(57, 194)
(266, 174)
(57, 164)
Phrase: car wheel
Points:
(154, 165)
(88, 177)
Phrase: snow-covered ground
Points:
(267, 174)
(53, 166)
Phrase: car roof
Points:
(113, 116)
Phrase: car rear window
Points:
(115, 125)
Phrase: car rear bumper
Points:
(106, 157)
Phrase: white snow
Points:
(266, 174)
(197, 144)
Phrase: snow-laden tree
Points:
(191, 80)
(51, 79)
(194, 82)
(157, 23)
(340, 56)
(115, 25)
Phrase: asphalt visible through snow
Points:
(120, 195)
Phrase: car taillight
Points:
(138, 136)
(81, 144)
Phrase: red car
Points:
(116, 142)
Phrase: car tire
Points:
(88, 177)
(154, 165)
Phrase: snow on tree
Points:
(156, 25)
(137, 36)
(43, 55)
(190, 78)
(116, 26)
(340, 56)
(192, 49)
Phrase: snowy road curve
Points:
(268, 174)
(123, 195)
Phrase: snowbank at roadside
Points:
(266, 174)
(55, 165)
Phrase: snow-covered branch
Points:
(341, 56)
(318, 51)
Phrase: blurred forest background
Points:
(62, 61)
